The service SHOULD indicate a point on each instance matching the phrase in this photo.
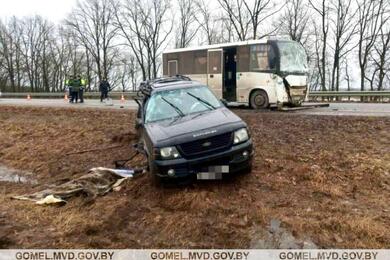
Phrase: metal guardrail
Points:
(384, 93)
(131, 94)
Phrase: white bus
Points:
(260, 73)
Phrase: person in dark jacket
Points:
(82, 87)
(104, 88)
(76, 83)
(69, 83)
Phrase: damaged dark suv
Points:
(187, 132)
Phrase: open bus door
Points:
(215, 71)
(229, 75)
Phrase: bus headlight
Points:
(241, 135)
(171, 152)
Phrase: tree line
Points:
(122, 40)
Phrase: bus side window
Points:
(259, 57)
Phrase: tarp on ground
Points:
(97, 182)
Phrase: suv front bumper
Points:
(233, 157)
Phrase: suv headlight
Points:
(241, 135)
(171, 152)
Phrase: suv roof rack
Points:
(146, 86)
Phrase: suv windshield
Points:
(180, 102)
(292, 57)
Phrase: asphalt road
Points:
(88, 103)
(338, 109)
(351, 109)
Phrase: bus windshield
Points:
(292, 58)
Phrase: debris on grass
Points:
(97, 182)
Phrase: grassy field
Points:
(325, 178)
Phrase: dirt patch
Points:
(326, 179)
(275, 236)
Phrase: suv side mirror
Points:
(224, 102)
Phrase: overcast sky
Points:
(54, 10)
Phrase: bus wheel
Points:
(259, 99)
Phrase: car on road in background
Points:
(186, 132)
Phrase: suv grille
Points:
(206, 145)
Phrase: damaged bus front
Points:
(290, 71)
(260, 73)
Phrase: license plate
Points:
(213, 173)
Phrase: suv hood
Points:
(192, 127)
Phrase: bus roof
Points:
(216, 46)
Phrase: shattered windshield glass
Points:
(292, 57)
(180, 102)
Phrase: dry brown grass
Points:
(326, 178)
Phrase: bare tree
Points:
(382, 50)
(246, 16)
(131, 22)
(35, 37)
(369, 26)
(146, 28)
(207, 21)
(238, 17)
(132, 71)
(91, 21)
(322, 9)
(187, 27)
(294, 20)
(59, 59)
(128, 69)
(344, 28)
(10, 38)
(156, 31)
(35, 54)
(226, 30)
